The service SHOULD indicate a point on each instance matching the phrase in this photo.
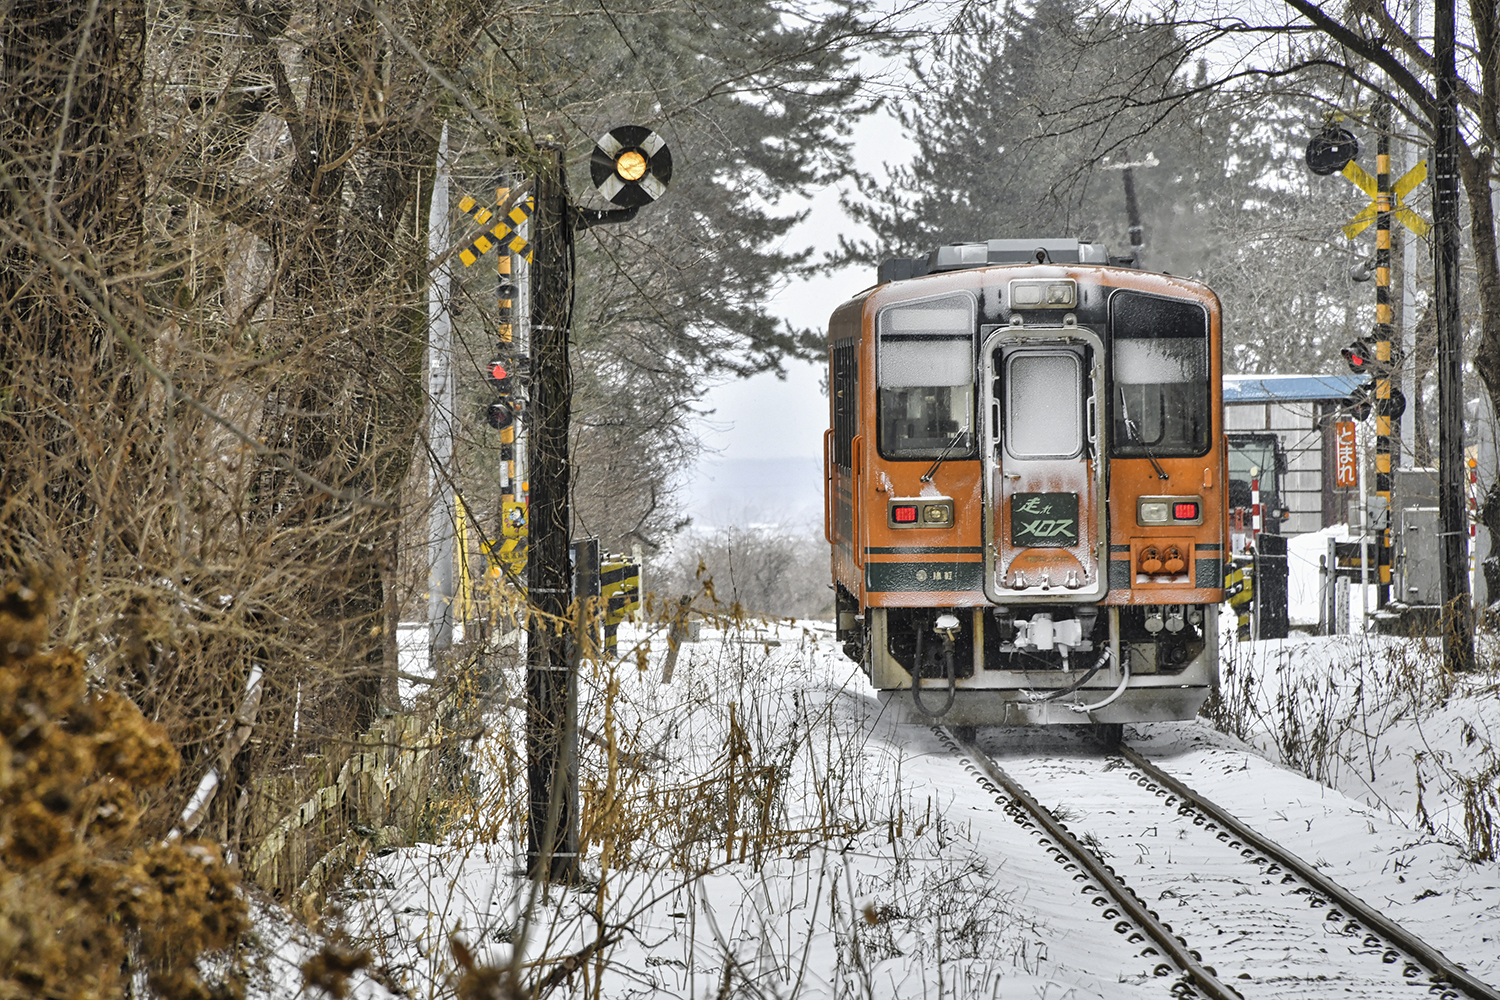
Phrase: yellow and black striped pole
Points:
(506, 292)
(1384, 358)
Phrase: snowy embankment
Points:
(1378, 719)
(1373, 716)
(756, 826)
(754, 821)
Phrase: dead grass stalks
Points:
(1350, 715)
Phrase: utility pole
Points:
(1133, 207)
(631, 166)
(1458, 614)
(551, 681)
(441, 398)
(1133, 215)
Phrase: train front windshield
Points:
(925, 373)
(1160, 367)
(1252, 459)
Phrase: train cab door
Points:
(1044, 486)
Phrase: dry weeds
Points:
(85, 897)
(1377, 719)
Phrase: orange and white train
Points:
(1025, 486)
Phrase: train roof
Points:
(958, 256)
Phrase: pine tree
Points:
(1020, 118)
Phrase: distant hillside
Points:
(783, 491)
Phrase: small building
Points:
(1301, 411)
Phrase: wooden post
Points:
(1458, 613)
(551, 683)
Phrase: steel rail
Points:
(1202, 978)
(1371, 918)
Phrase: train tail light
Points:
(920, 512)
(1151, 511)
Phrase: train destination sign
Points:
(1044, 520)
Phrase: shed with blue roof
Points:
(1301, 411)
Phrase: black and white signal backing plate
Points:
(611, 155)
(1331, 150)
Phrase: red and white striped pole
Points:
(1473, 494)
(1255, 522)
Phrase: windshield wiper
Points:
(960, 436)
(1135, 432)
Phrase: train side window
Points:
(1160, 373)
(845, 389)
(925, 376)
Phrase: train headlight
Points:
(920, 512)
(1153, 513)
(1169, 510)
(1058, 293)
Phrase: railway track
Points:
(1276, 928)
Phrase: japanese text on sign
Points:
(1345, 456)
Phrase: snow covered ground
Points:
(756, 827)
(756, 822)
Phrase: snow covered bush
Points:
(765, 569)
(747, 829)
(1378, 718)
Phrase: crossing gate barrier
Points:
(507, 554)
(620, 589)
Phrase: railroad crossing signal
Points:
(631, 166)
(504, 232)
(1360, 357)
(1331, 150)
(1361, 179)
(502, 413)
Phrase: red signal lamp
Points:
(1185, 511)
(497, 370)
(904, 514)
(1359, 356)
